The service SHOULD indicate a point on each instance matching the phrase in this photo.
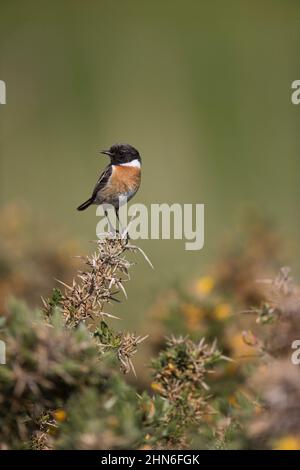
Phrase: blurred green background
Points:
(201, 88)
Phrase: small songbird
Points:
(120, 180)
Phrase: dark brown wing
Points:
(104, 177)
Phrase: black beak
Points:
(106, 152)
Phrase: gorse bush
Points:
(57, 391)
(104, 278)
(180, 374)
(65, 382)
(46, 364)
(59, 387)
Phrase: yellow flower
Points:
(193, 315)
(222, 311)
(240, 350)
(60, 415)
(232, 400)
(205, 285)
(288, 443)
(156, 387)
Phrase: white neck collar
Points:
(134, 163)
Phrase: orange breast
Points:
(124, 180)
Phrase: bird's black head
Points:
(122, 153)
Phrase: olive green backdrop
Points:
(201, 88)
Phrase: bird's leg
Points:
(111, 228)
(121, 229)
(119, 223)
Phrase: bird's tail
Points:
(85, 205)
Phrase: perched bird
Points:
(120, 180)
